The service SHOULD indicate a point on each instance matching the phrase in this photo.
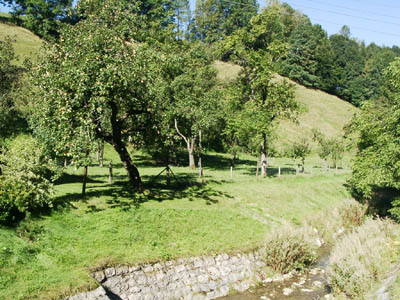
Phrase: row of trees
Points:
(339, 64)
(121, 76)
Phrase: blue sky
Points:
(369, 20)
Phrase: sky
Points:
(370, 21)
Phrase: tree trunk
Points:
(110, 172)
(189, 144)
(133, 172)
(84, 180)
(264, 157)
(192, 163)
(100, 153)
(199, 158)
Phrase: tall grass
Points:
(361, 257)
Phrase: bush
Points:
(290, 248)
(360, 258)
(24, 184)
(347, 215)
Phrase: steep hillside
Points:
(325, 112)
(26, 43)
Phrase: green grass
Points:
(26, 44)
(52, 255)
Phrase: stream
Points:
(310, 285)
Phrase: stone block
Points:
(132, 269)
(147, 269)
(179, 268)
(121, 270)
(99, 276)
(109, 272)
(203, 278)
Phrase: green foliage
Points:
(310, 56)
(300, 150)
(24, 184)
(216, 19)
(43, 17)
(10, 74)
(376, 167)
(256, 103)
(330, 148)
(289, 248)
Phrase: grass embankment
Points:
(26, 44)
(53, 255)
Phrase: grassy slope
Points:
(324, 111)
(26, 44)
(53, 254)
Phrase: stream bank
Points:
(310, 285)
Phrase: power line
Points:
(357, 27)
(380, 4)
(352, 9)
(350, 15)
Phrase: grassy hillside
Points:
(26, 43)
(325, 112)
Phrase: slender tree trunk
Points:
(264, 156)
(190, 142)
(190, 147)
(100, 153)
(84, 180)
(110, 172)
(199, 158)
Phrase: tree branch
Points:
(177, 130)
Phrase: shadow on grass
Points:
(272, 171)
(72, 178)
(121, 195)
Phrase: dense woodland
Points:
(140, 74)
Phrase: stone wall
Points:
(207, 277)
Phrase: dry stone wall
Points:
(206, 277)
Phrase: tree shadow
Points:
(121, 195)
(272, 171)
(73, 178)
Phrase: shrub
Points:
(345, 216)
(290, 248)
(361, 257)
(24, 184)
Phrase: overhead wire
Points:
(352, 9)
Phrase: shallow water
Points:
(311, 285)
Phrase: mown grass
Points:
(52, 255)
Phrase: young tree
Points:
(196, 100)
(261, 102)
(100, 82)
(300, 150)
